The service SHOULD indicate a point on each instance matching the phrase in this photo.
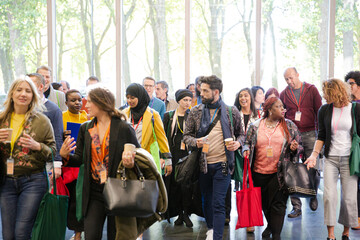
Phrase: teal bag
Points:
(79, 186)
(154, 147)
(354, 160)
(51, 219)
(239, 159)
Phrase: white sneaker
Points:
(209, 234)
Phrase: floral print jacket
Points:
(286, 153)
(28, 161)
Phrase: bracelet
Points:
(316, 152)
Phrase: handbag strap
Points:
(153, 124)
(247, 171)
(137, 170)
(53, 178)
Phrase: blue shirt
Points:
(158, 106)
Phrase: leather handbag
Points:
(354, 160)
(130, 198)
(248, 201)
(299, 181)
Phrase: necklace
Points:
(271, 126)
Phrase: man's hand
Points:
(233, 146)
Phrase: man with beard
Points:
(206, 128)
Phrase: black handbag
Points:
(131, 198)
(299, 181)
(187, 168)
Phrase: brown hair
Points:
(267, 106)
(105, 100)
(336, 91)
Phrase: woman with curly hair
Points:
(335, 123)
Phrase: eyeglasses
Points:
(352, 83)
(148, 86)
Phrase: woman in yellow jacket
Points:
(148, 126)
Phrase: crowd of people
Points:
(42, 119)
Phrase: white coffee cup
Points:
(228, 140)
(129, 147)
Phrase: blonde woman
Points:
(32, 140)
(335, 124)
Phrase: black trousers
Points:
(96, 215)
(273, 201)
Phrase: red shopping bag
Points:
(248, 201)
(61, 188)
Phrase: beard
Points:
(207, 100)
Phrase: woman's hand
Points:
(167, 170)
(27, 141)
(233, 146)
(4, 134)
(246, 153)
(67, 147)
(128, 159)
(310, 162)
(294, 145)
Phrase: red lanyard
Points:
(259, 113)
(337, 124)
(132, 121)
(269, 137)
(293, 95)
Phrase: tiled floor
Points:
(309, 226)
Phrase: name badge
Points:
(10, 166)
(182, 146)
(297, 116)
(205, 148)
(269, 152)
(103, 175)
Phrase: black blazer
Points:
(120, 133)
(324, 124)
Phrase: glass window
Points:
(223, 43)
(23, 44)
(291, 37)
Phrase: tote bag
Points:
(51, 219)
(248, 201)
(154, 147)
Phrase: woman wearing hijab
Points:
(147, 124)
(174, 122)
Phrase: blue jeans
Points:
(214, 186)
(20, 200)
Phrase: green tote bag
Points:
(239, 159)
(154, 147)
(355, 149)
(51, 219)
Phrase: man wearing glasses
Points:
(353, 78)
(155, 103)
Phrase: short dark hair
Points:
(70, 92)
(56, 85)
(213, 81)
(191, 84)
(353, 75)
(92, 78)
(254, 90)
(39, 77)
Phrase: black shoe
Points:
(344, 237)
(179, 220)
(187, 220)
(266, 233)
(313, 203)
(330, 238)
(294, 213)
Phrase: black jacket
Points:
(324, 123)
(120, 133)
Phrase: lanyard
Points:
(177, 120)
(337, 124)
(17, 134)
(214, 115)
(152, 102)
(259, 113)
(103, 144)
(269, 137)
(293, 95)
(133, 124)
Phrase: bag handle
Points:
(137, 170)
(53, 177)
(153, 120)
(247, 171)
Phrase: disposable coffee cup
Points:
(9, 130)
(228, 140)
(129, 147)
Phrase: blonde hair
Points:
(336, 91)
(35, 105)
